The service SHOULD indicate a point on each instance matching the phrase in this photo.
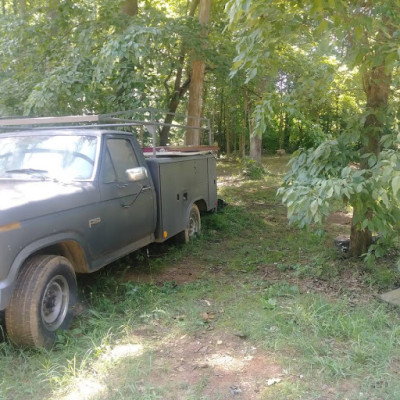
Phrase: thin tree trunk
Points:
(244, 125)
(376, 86)
(196, 83)
(130, 7)
(227, 134)
(22, 7)
(221, 115)
(286, 131)
(255, 144)
(280, 129)
(193, 6)
(235, 135)
(52, 10)
(234, 124)
(179, 90)
(172, 107)
(255, 147)
(141, 135)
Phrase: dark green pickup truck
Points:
(73, 201)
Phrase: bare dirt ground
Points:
(220, 365)
(224, 365)
(185, 272)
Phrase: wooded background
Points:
(319, 77)
(73, 57)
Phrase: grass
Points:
(285, 292)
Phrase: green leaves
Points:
(323, 61)
(396, 183)
(90, 57)
(358, 32)
(319, 182)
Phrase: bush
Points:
(252, 169)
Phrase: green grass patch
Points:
(256, 281)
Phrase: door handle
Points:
(146, 188)
(122, 186)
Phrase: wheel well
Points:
(201, 204)
(72, 251)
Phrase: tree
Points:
(130, 7)
(97, 59)
(179, 89)
(196, 82)
(106, 56)
(358, 165)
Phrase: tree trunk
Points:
(220, 117)
(196, 83)
(376, 86)
(22, 7)
(244, 125)
(360, 240)
(195, 103)
(179, 91)
(130, 7)
(52, 10)
(280, 129)
(227, 134)
(255, 147)
(286, 132)
(255, 144)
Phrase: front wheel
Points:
(193, 228)
(42, 300)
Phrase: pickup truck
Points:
(75, 200)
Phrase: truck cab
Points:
(75, 200)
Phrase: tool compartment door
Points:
(179, 182)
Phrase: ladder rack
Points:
(118, 119)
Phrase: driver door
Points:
(127, 206)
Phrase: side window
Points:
(108, 174)
(121, 157)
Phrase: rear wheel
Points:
(42, 300)
(193, 228)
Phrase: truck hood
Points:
(22, 200)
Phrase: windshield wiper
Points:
(29, 171)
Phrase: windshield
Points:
(59, 157)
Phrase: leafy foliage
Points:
(321, 179)
(252, 169)
(332, 64)
(95, 58)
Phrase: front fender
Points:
(7, 285)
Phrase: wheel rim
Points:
(193, 225)
(55, 302)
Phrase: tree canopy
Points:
(314, 77)
(326, 56)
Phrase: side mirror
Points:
(136, 174)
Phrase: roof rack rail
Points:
(117, 119)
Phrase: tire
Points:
(42, 300)
(193, 228)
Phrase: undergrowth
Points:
(282, 290)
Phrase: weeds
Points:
(255, 281)
(252, 169)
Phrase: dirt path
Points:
(223, 365)
(219, 365)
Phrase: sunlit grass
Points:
(258, 280)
